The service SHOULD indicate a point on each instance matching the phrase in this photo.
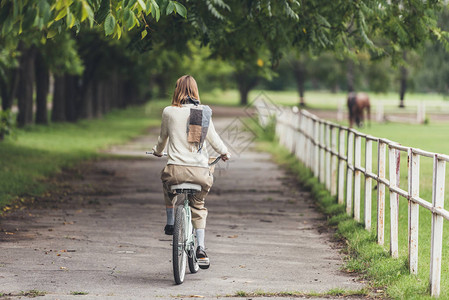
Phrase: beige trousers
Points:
(176, 174)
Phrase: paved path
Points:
(105, 237)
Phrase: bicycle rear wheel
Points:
(193, 262)
(179, 253)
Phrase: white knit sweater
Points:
(181, 152)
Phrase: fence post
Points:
(322, 154)
(381, 146)
(281, 130)
(394, 168)
(316, 155)
(301, 138)
(303, 147)
(357, 176)
(310, 141)
(334, 162)
(413, 211)
(340, 110)
(328, 157)
(368, 184)
(341, 167)
(292, 131)
(349, 173)
(380, 112)
(439, 172)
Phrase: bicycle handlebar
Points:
(211, 164)
(152, 152)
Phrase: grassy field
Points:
(39, 151)
(328, 100)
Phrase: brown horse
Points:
(357, 103)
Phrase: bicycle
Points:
(184, 237)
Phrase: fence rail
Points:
(332, 151)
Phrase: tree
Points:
(26, 84)
(34, 22)
(431, 74)
(403, 81)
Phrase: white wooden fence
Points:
(331, 151)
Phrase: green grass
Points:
(40, 151)
(365, 255)
(78, 293)
(332, 292)
(33, 293)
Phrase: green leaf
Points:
(51, 33)
(170, 8)
(62, 14)
(70, 20)
(144, 33)
(118, 31)
(155, 10)
(84, 10)
(142, 4)
(109, 24)
(131, 3)
(128, 20)
(180, 9)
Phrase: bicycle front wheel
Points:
(179, 243)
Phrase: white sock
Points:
(200, 237)
(170, 216)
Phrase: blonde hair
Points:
(185, 87)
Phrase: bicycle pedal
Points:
(203, 262)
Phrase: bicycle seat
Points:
(189, 188)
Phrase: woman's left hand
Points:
(226, 156)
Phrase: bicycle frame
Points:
(189, 236)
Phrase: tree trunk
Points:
(299, 73)
(71, 98)
(86, 102)
(244, 91)
(403, 82)
(350, 75)
(42, 87)
(161, 82)
(107, 96)
(8, 88)
(26, 82)
(97, 98)
(58, 111)
(245, 84)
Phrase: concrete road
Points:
(100, 233)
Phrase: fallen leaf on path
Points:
(63, 268)
(233, 236)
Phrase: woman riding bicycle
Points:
(186, 126)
